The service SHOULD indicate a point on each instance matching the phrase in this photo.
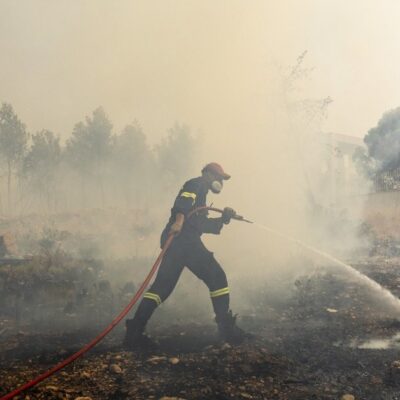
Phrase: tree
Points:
(177, 154)
(40, 166)
(304, 118)
(365, 165)
(132, 161)
(383, 141)
(13, 140)
(89, 148)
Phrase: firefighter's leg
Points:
(203, 264)
(168, 274)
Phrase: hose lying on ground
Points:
(99, 337)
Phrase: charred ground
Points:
(314, 346)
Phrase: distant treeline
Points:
(96, 167)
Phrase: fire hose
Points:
(116, 320)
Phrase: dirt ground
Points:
(330, 340)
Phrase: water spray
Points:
(386, 295)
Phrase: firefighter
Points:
(188, 250)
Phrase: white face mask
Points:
(216, 186)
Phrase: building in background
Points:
(340, 171)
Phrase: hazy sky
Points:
(208, 63)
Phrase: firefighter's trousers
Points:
(195, 256)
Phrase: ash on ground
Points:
(308, 347)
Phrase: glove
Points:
(227, 215)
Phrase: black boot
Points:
(229, 331)
(135, 338)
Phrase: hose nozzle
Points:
(241, 218)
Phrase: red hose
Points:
(114, 323)
(97, 339)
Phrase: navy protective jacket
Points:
(193, 194)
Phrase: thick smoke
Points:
(157, 63)
(108, 194)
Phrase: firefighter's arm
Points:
(186, 198)
(176, 227)
(214, 225)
